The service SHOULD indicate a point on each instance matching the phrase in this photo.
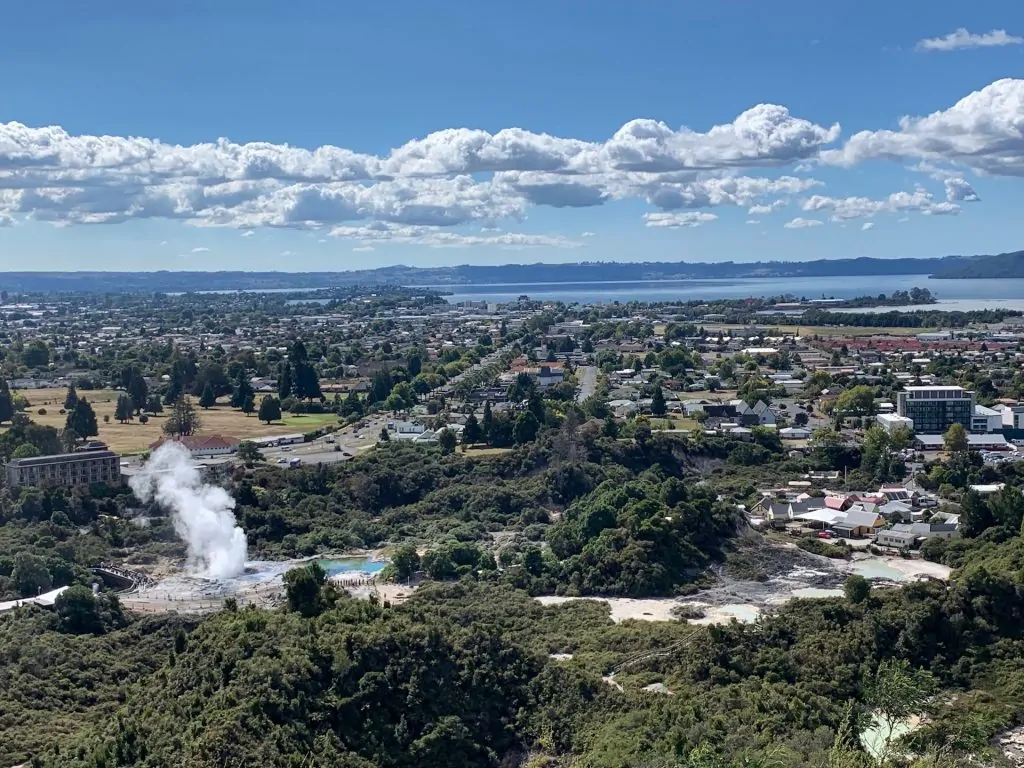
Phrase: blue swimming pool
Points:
(340, 565)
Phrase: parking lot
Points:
(338, 446)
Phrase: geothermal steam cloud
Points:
(201, 513)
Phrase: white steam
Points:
(201, 513)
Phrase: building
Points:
(1012, 415)
(986, 419)
(203, 445)
(934, 409)
(66, 469)
(890, 422)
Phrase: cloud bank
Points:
(424, 191)
(961, 38)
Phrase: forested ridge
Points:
(472, 670)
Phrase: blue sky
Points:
(543, 131)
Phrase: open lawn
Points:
(481, 453)
(136, 438)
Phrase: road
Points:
(587, 375)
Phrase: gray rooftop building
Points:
(66, 469)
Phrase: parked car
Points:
(824, 535)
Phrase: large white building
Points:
(934, 409)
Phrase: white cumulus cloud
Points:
(677, 220)
(983, 131)
(961, 38)
(867, 225)
(200, 249)
(847, 208)
(958, 189)
(801, 223)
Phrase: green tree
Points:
(36, 354)
(610, 428)
(209, 398)
(472, 433)
(25, 451)
(249, 452)
(242, 390)
(183, 419)
(138, 390)
(270, 409)
(6, 403)
(526, 428)
(955, 439)
(897, 691)
(83, 420)
(856, 401)
(405, 561)
(154, 404)
(447, 441)
(284, 381)
(303, 589)
(352, 406)
(71, 398)
(658, 407)
(30, 575)
(77, 611)
(123, 410)
(487, 425)
(856, 588)
(249, 404)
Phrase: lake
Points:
(962, 295)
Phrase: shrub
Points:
(41, 411)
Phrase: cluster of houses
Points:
(890, 517)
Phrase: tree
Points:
(6, 403)
(303, 589)
(955, 439)
(856, 401)
(71, 398)
(414, 365)
(249, 404)
(183, 420)
(30, 575)
(138, 390)
(642, 433)
(25, 451)
(526, 428)
(447, 440)
(352, 405)
(209, 397)
(249, 452)
(83, 420)
(154, 404)
(270, 409)
(385, 436)
(77, 611)
(123, 410)
(405, 561)
(243, 389)
(487, 425)
(658, 407)
(285, 382)
(800, 418)
(897, 692)
(472, 432)
(856, 588)
(36, 354)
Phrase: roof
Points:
(859, 518)
(200, 442)
(827, 516)
(62, 458)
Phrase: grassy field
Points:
(136, 438)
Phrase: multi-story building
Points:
(934, 409)
(67, 469)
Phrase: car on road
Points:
(329, 439)
(282, 460)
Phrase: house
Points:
(858, 523)
(409, 430)
(623, 408)
(759, 413)
(912, 535)
(795, 433)
(202, 445)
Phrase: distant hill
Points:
(509, 274)
(1001, 265)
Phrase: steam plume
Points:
(201, 513)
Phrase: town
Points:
(777, 449)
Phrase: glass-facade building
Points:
(935, 409)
